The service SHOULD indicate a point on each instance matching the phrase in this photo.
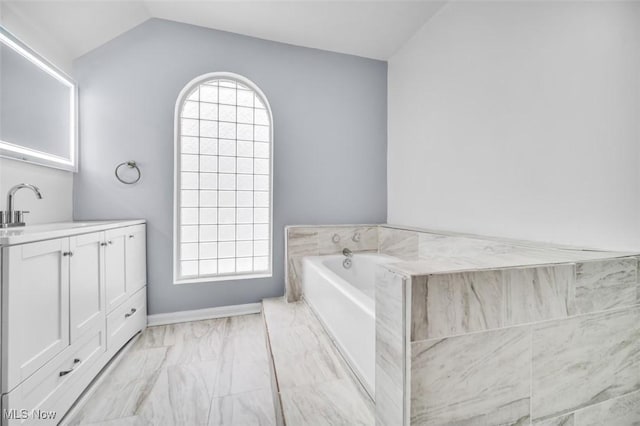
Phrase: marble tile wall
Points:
(391, 347)
(304, 241)
(550, 345)
(398, 242)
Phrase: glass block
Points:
(261, 117)
(189, 145)
(189, 268)
(209, 216)
(244, 199)
(208, 233)
(261, 232)
(245, 98)
(189, 127)
(189, 163)
(261, 264)
(190, 109)
(208, 129)
(226, 181)
(227, 83)
(189, 251)
(261, 248)
(208, 267)
(208, 93)
(244, 248)
(226, 233)
(194, 96)
(209, 163)
(245, 115)
(208, 198)
(261, 199)
(245, 182)
(227, 165)
(227, 130)
(261, 166)
(226, 249)
(188, 198)
(245, 132)
(208, 250)
(208, 146)
(245, 149)
(245, 165)
(244, 264)
(262, 150)
(208, 111)
(244, 232)
(261, 182)
(227, 113)
(226, 216)
(226, 266)
(208, 181)
(189, 234)
(245, 215)
(189, 216)
(227, 147)
(227, 96)
(261, 133)
(258, 102)
(227, 199)
(189, 180)
(261, 215)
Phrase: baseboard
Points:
(203, 314)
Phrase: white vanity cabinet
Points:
(69, 303)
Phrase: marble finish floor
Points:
(315, 385)
(203, 373)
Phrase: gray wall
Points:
(329, 140)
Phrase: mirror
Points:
(38, 108)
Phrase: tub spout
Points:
(347, 252)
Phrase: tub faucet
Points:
(347, 252)
(12, 217)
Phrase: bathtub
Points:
(344, 301)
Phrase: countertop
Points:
(32, 233)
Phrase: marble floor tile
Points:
(538, 294)
(607, 284)
(125, 421)
(476, 379)
(282, 315)
(622, 411)
(245, 325)
(247, 409)
(244, 366)
(567, 420)
(331, 404)
(581, 361)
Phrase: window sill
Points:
(218, 278)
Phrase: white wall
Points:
(520, 120)
(56, 185)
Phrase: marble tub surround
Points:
(304, 241)
(314, 383)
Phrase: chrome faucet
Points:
(12, 217)
(347, 252)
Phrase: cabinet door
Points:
(86, 283)
(35, 299)
(136, 258)
(115, 275)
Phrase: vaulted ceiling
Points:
(373, 29)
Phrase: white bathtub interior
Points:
(344, 301)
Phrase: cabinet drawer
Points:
(45, 392)
(127, 320)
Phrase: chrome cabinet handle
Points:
(103, 244)
(75, 363)
(131, 236)
(109, 242)
(67, 253)
(133, 311)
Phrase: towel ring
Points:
(131, 165)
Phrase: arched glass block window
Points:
(223, 180)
